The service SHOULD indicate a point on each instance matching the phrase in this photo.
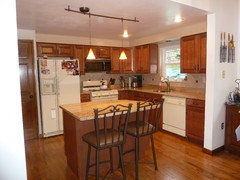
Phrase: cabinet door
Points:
(195, 123)
(85, 97)
(188, 54)
(235, 123)
(202, 53)
(122, 95)
(103, 52)
(138, 59)
(127, 64)
(115, 62)
(79, 54)
(46, 49)
(86, 51)
(65, 50)
(145, 61)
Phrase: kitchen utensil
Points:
(233, 50)
(224, 49)
(229, 59)
(221, 48)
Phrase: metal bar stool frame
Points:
(106, 137)
(145, 128)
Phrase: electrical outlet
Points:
(222, 126)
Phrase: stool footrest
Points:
(101, 162)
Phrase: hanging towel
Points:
(237, 131)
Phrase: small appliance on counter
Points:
(234, 96)
(136, 81)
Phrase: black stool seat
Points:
(107, 138)
(145, 128)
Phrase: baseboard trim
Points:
(213, 152)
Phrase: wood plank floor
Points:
(177, 159)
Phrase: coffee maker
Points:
(138, 80)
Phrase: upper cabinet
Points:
(146, 58)
(79, 54)
(121, 66)
(99, 51)
(193, 53)
(54, 50)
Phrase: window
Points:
(170, 58)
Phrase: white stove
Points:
(98, 94)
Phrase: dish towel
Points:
(237, 131)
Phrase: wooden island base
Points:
(76, 148)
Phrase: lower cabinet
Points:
(85, 97)
(232, 123)
(195, 120)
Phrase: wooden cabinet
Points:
(104, 52)
(65, 50)
(85, 97)
(115, 62)
(45, 49)
(54, 50)
(79, 54)
(232, 123)
(137, 95)
(193, 53)
(123, 95)
(121, 66)
(146, 58)
(99, 52)
(195, 120)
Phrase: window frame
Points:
(162, 51)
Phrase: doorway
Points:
(28, 90)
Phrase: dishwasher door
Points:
(174, 115)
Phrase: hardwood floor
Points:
(177, 159)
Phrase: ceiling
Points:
(155, 16)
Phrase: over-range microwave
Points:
(98, 65)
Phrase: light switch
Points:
(223, 74)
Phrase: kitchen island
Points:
(78, 119)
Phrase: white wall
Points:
(78, 40)
(12, 150)
(224, 18)
(31, 35)
(172, 34)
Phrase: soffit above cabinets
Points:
(49, 17)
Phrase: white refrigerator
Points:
(59, 83)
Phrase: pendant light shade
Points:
(123, 55)
(91, 55)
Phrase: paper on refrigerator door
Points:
(237, 131)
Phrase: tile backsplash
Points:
(193, 80)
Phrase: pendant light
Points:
(122, 55)
(91, 55)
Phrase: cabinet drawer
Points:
(85, 97)
(196, 103)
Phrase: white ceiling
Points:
(155, 16)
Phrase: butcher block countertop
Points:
(84, 111)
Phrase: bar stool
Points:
(111, 119)
(146, 124)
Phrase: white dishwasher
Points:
(174, 115)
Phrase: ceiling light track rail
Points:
(99, 15)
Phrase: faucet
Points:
(166, 80)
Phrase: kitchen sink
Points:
(161, 91)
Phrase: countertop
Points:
(84, 111)
(184, 92)
(192, 93)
